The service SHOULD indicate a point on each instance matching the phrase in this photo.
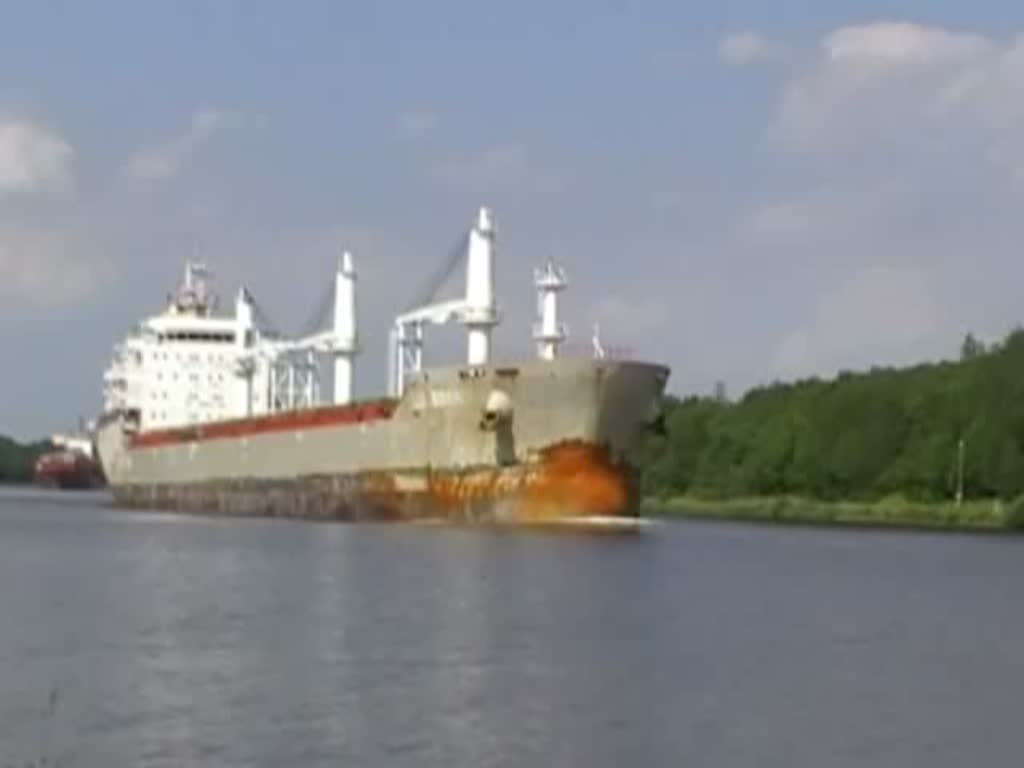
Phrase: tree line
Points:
(17, 459)
(922, 432)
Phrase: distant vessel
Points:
(219, 414)
(71, 465)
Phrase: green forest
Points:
(919, 433)
(17, 460)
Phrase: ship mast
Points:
(549, 333)
(480, 313)
(345, 339)
(194, 296)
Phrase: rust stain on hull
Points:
(569, 480)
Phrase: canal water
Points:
(131, 639)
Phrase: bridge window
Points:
(209, 337)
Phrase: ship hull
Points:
(67, 470)
(534, 443)
(572, 481)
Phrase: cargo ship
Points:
(71, 464)
(220, 414)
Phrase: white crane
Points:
(478, 311)
(296, 384)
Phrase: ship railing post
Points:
(311, 379)
(418, 348)
(272, 386)
(400, 372)
(392, 362)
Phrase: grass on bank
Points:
(990, 514)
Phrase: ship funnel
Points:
(345, 338)
(481, 313)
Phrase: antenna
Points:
(599, 350)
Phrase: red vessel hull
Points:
(67, 470)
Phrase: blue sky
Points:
(747, 191)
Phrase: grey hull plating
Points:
(530, 442)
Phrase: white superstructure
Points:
(78, 443)
(190, 365)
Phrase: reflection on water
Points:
(178, 640)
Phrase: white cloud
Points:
(876, 315)
(417, 124)
(40, 263)
(842, 211)
(46, 267)
(744, 48)
(900, 90)
(32, 157)
(887, 44)
(903, 173)
(167, 159)
(786, 219)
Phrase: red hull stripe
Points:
(289, 421)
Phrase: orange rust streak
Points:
(313, 418)
(578, 475)
(571, 478)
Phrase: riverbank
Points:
(979, 515)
